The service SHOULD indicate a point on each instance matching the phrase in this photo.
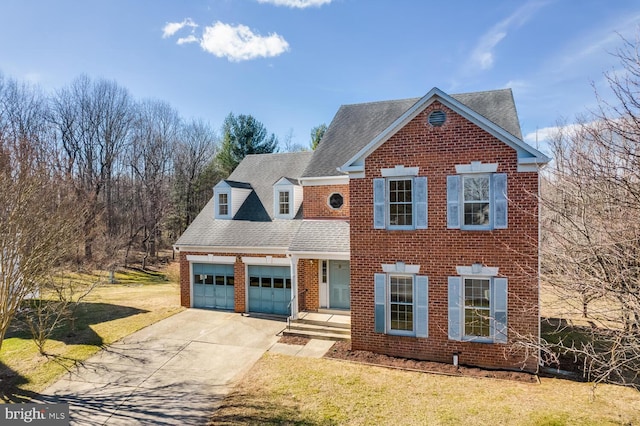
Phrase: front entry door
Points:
(339, 289)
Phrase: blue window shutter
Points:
(420, 197)
(379, 203)
(453, 202)
(499, 310)
(499, 181)
(455, 308)
(422, 306)
(380, 290)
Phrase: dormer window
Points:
(283, 203)
(228, 197)
(223, 204)
(287, 198)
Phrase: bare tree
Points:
(591, 232)
(155, 138)
(37, 225)
(93, 122)
(194, 173)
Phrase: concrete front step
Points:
(316, 334)
(315, 330)
(321, 323)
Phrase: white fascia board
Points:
(210, 258)
(240, 250)
(266, 260)
(324, 180)
(448, 101)
(325, 255)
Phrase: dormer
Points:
(287, 198)
(228, 196)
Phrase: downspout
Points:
(294, 286)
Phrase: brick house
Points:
(417, 217)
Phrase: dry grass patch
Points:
(109, 313)
(291, 390)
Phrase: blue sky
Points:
(292, 63)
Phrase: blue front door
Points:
(339, 288)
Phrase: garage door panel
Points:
(213, 286)
(269, 289)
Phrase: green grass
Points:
(292, 390)
(109, 313)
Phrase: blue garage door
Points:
(213, 286)
(270, 289)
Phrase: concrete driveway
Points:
(176, 371)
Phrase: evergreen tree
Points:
(243, 135)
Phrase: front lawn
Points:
(109, 313)
(291, 390)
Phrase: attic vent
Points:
(437, 118)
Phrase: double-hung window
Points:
(401, 304)
(223, 204)
(477, 198)
(283, 203)
(400, 199)
(478, 308)
(400, 203)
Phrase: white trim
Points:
(267, 260)
(239, 249)
(324, 180)
(210, 258)
(477, 270)
(524, 150)
(476, 167)
(400, 171)
(191, 283)
(400, 268)
(325, 255)
(388, 302)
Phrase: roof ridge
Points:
(383, 102)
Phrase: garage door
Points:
(270, 289)
(213, 286)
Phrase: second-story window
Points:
(283, 203)
(400, 202)
(223, 204)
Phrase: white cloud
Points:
(239, 43)
(483, 55)
(190, 39)
(173, 27)
(546, 134)
(300, 4)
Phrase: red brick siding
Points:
(316, 202)
(439, 250)
(308, 284)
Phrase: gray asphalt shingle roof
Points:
(322, 236)
(354, 126)
(262, 171)
(205, 231)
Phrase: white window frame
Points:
(218, 205)
(390, 330)
(473, 337)
(389, 203)
(280, 204)
(463, 203)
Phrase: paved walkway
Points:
(176, 371)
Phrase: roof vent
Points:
(437, 118)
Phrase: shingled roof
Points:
(262, 171)
(354, 126)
